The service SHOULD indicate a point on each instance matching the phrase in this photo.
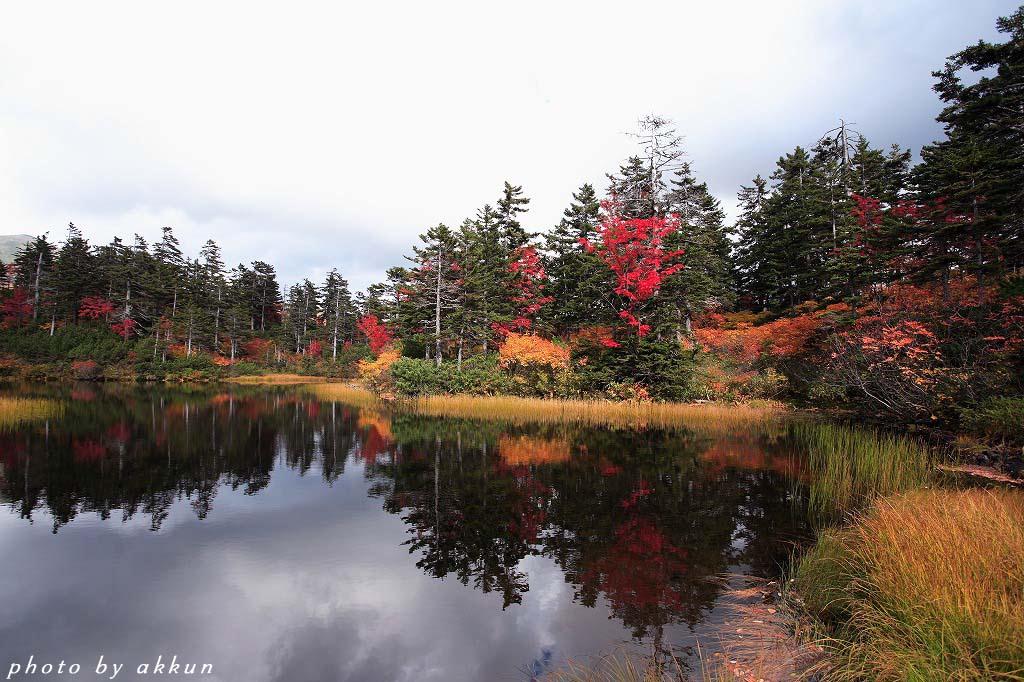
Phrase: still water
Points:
(280, 537)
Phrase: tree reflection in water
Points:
(644, 522)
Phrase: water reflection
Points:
(637, 526)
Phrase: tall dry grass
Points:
(928, 585)
(16, 411)
(274, 379)
(709, 417)
(345, 393)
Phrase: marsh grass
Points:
(851, 466)
(16, 411)
(620, 667)
(345, 393)
(705, 417)
(928, 585)
(274, 379)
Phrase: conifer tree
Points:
(34, 271)
(213, 284)
(434, 283)
(75, 274)
(579, 282)
(339, 313)
(511, 204)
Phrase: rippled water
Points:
(279, 537)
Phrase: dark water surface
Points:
(280, 537)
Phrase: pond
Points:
(277, 536)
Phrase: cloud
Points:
(324, 134)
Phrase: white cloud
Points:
(317, 134)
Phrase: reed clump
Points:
(851, 466)
(274, 379)
(16, 411)
(345, 393)
(621, 667)
(710, 417)
(927, 585)
(627, 414)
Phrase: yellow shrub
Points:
(372, 370)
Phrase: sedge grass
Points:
(851, 466)
(274, 379)
(927, 585)
(707, 416)
(345, 393)
(16, 411)
(619, 667)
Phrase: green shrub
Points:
(663, 368)
(244, 368)
(75, 342)
(479, 375)
(996, 417)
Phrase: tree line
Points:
(838, 220)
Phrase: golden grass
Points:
(275, 379)
(926, 585)
(594, 413)
(345, 393)
(16, 411)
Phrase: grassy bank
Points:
(927, 585)
(275, 379)
(15, 411)
(706, 416)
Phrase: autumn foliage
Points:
(94, 307)
(528, 277)
(377, 334)
(529, 349)
(745, 342)
(634, 250)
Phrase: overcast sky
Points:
(314, 135)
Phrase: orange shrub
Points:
(373, 370)
(529, 349)
(744, 342)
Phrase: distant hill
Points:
(10, 244)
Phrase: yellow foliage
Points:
(529, 349)
(371, 370)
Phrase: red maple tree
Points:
(376, 333)
(94, 307)
(634, 250)
(124, 328)
(16, 308)
(529, 279)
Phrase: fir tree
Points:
(579, 281)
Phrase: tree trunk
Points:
(337, 315)
(216, 321)
(437, 312)
(39, 274)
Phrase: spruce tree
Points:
(338, 312)
(214, 283)
(579, 282)
(75, 273)
(34, 272)
(511, 204)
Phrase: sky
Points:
(319, 135)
